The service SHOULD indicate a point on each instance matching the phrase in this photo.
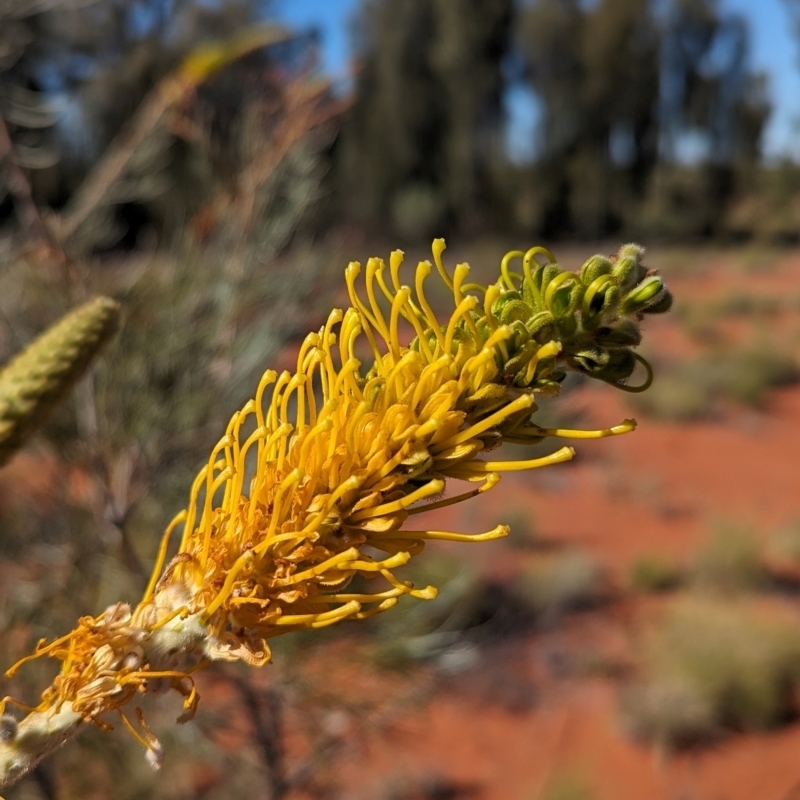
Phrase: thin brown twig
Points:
(168, 93)
(25, 207)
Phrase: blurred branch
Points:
(267, 726)
(302, 112)
(196, 68)
(28, 214)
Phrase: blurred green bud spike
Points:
(593, 268)
(647, 293)
(34, 382)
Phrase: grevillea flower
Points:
(316, 485)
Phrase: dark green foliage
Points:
(425, 127)
(618, 86)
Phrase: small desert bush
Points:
(714, 666)
(524, 533)
(692, 390)
(568, 582)
(653, 573)
(730, 562)
(784, 544)
(746, 375)
(423, 631)
(680, 393)
(567, 786)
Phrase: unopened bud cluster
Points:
(594, 314)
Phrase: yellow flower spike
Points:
(490, 481)
(549, 350)
(243, 562)
(335, 615)
(205, 521)
(379, 276)
(462, 311)
(341, 455)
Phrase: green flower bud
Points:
(647, 293)
(632, 250)
(551, 385)
(486, 399)
(510, 307)
(624, 333)
(520, 360)
(563, 295)
(546, 368)
(541, 327)
(629, 269)
(542, 276)
(599, 300)
(593, 268)
(662, 305)
(619, 367)
(567, 326)
(520, 335)
(590, 360)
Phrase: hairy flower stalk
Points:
(314, 489)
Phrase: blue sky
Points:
(773, 49)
